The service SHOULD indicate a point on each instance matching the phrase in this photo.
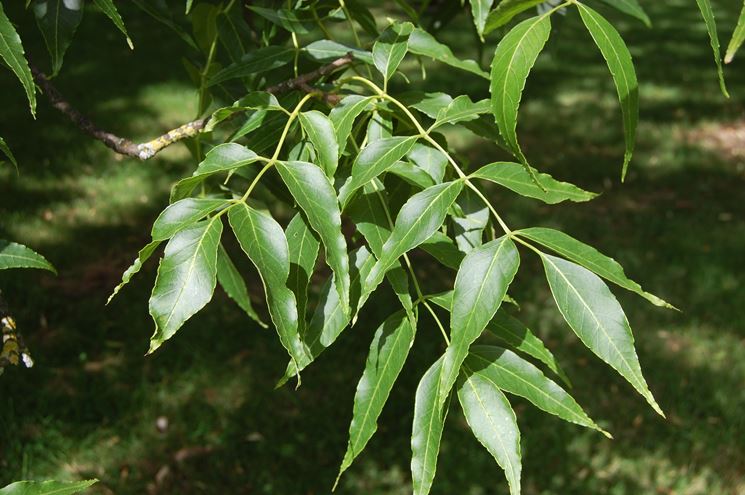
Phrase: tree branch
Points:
(147, 150)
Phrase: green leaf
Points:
(444, 250)
(344, 114)
(235, 287)
(304, 247)
(234, 32)
(632, 8)
(46, 487)
(506, 11)
(58, 20)
(316, 197)
(480, 287)
(514, 58)
(426, 432)
(369, 214)
(389, 50)
(379, 126)
(470, 222)
(320, 131)
(327, 51)
(737, 37)
(265, 244)
(512, 332)
(255, 62)
(711, 26)
(429, 159)
(424, 44)
(360, 13)
(159, 10)
(108, 8)
(480, 11)
(11, 51)
(7, 152)
(510, 373)
(461, 109)
(328, 319)
(130, 272)
(621, 67)
(186, 279)
(14, 255)
(589, 257)
(255, 100)
(286, 19)
(596, 317)
(182, 214)
(373, 160)
(417, 220)
(514, 177)
(493, 423)
(222, 158)
(429, 104)
(388, 352)
(412, 174)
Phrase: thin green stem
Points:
(424, 133)
(273, 160)
(407, 261)
(437, 320)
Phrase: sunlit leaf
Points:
(738, 37)
(480, 287)
(320, 131)
(5, 149)
(316, 197)
(492, 422)
(505, 11)
(144, 254)
(388, 352)
(264, 242)
(14, 255)
(596, 317)
(46, 487)
(461, 109)
(426, 432)
(389, 50)
(182, 214)
(589, 257)
(418, 219)
(514, 58)
(514, 177)
(480, 11)
(327, 51)
(108, 8)
(512, 374)
(711, 26)
(621, 67)
(186, 279)
(424, 44)
(222, 158)
(373, 160)
(11, 51)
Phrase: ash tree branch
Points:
(144, 151)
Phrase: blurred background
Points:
(201, 415)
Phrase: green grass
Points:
(90, 405)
